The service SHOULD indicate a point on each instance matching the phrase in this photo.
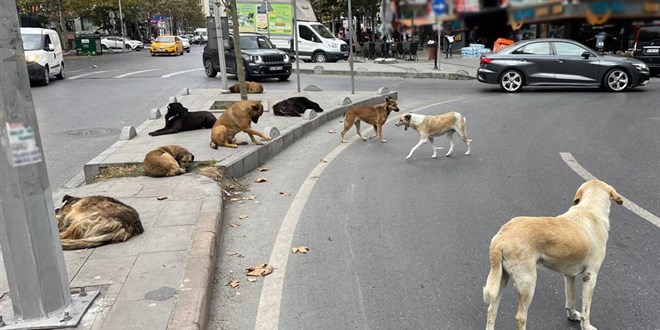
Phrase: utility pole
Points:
(295, 41)
(350, 46)
(220, 40)
(123, 32)
(33, 258)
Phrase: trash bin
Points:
(88, 44)
(432, 48)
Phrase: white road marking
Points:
(133, 73)
(634, 208)
(181, 72)
(86, 74)
(268, 313)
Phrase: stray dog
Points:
(573, 243)
(429, 127)
(295, 106)
(94, 221)
(237, 119)
(168, 160)
(250, 86)
(375, 115)
(178, 119)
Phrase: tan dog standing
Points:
(375, 115)
(237, 119)
(573, 243)
(167, 160)
(429, 127)
(251, 87)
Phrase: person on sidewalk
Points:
(449, 43)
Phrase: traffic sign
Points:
(439, 7)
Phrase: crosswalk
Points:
(117, 74)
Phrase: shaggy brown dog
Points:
(375, 115)
(251, 87)
(237, 119)
(94, 221)
(168, 160)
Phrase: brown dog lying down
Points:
(375, 115)
(237, 119)
(167, 160)
(250, 86)
(94, 221)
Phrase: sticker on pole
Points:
(23, 147)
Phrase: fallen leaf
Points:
(251, 197)
(252, 280)
(285, 193)
(231, 253)
(301, 249)
(332, 131)
(235, 199)
(234, 225)
(263, 169)
(161, 198)
(243, 216)
(259, 270)
(234, 284)
(323, 160)
(260, 180)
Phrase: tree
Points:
(230, 6)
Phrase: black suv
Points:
(647, 47)
(260, 58)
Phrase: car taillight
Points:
(486, 60)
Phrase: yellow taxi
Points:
(166, 44)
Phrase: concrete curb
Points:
(414, 74)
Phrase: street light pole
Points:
(220, 40)
(350, 46)
(123, 33)
(295, 41)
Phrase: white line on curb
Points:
(581, 171)
(268, 313)
(134, 73)
(181, 72)
(86, 74)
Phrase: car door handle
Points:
(523, 60)
(560, 61)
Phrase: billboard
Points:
(279, 20)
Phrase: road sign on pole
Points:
(439, 7)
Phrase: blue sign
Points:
(439, 7)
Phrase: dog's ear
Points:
(407, 116)
(192, 157)
(615, 196)
(578, 196)
(178, 157)
(68, 198)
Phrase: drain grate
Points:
(92, 132)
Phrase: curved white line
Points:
(86, 74)
(634, 208)
(134, 73)
(268, 313)
(181, 72)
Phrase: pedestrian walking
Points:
(449, 43)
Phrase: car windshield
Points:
(165, 39)
(651, 33)
(250, 42)
(322, 30)
(32, 41)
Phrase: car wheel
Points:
(511, 81)
(127, 47)
(188, 51)
(616, 80)
(208, 68)
(319, 57)
(153, 54)
(284, 78)
(104, 47)
(46, 79)
(61, 75)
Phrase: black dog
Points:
(178, 119)
(295, 107)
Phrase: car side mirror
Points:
(51, 47)
(586, 55)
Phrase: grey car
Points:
(553, 62)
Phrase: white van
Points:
(201, 36)
(43, 54)
(316, 43)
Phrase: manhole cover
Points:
(92, 132)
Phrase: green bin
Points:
(88, 44)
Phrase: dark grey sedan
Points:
(559, 62)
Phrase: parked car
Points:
(166, 44)
(647, 47)
(559, 62)
(260, 58)
(186, 43)
(43, 54)
(113, 42)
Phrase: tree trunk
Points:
(240, 70)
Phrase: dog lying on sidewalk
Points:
(178, 119)
(251, 87)
(237, 119)
(573, 243)
(167, 160)
(429, 127)
(375, 115)
(295, 106)
(94, 221)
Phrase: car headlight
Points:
(333, 44)
(257, 59)
(286, 58)
(32, 58)
(641, 66)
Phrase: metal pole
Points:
(350, 46)
(268, 21)
(437, 65)
(220, 40)
(123, 33)
(31, 249)
(295, 41)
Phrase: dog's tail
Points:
(89, 242)
(492, 287)
(463, 121)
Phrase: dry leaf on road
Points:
(252, 280)
(243, 216)
(301, 249)
(259, 270)
(161, 198)
(263, 169)
(251, 197)
(231, 253)
(332, 131)
(260, 180)
(323, 160)
(234, 225)
(234, 284)
(285, 193)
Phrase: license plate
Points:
(275, 68)
(653, 50)
(161, 49)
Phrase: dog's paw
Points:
(434, 156)
(343, 141)
(383, 141)
(574, 315)
(267, 138)
(587, 326)
(467, 153)
(365, 139)
(408, 157)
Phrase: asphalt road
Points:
(402, 244)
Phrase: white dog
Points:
(573, 243)
(429, 127)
